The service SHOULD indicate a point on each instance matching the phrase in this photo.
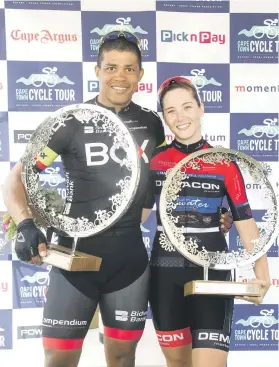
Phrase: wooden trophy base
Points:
(218, 288)
(62, 258)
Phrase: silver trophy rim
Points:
(134, 182)
(168, 230)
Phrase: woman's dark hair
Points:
(179, 85)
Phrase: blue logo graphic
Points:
(254, 39)
(148, 229)
(43, 5)
(43, 86)
(255, 328)
(259, 216)
(30, 284)
(4, 137)
(255, 134)
(97, 24)
(54, 177)
(211, 81)
(2, 36)
(195, 6)
(6, 338)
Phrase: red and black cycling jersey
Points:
(200, 198)
(90, 168)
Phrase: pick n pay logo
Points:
(201, 37)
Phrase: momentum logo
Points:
(257, 88)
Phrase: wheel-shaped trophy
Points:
(229, 165)
(54, 212)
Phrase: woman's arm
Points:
(248, 232)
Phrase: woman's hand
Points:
(265, 285)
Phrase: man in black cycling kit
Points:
(121, 285)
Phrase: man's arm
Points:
(14, 195)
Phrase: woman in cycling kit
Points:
(184, 324)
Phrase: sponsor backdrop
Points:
(230, 51)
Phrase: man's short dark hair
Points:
(119, 44)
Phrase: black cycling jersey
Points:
(200, 199)
(91, 171)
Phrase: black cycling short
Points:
(204, 321)
(120, 288)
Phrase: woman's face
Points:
(182, 115)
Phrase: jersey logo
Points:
(142, 151)
(98, 154)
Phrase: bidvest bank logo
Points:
(254, 38)
(97, 24)
(255, 135)
(43, 88)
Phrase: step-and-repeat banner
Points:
(48, 51)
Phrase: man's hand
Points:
(226, 220)
(263, 290)
(30, 244)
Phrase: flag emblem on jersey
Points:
(45, 158)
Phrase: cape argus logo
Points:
(97, 24)
(43, 36)
(42, 86)
(211, 81)
(254, 38)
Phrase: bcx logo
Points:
(101, 150)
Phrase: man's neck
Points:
(105, 102)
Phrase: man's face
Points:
(119, 75)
